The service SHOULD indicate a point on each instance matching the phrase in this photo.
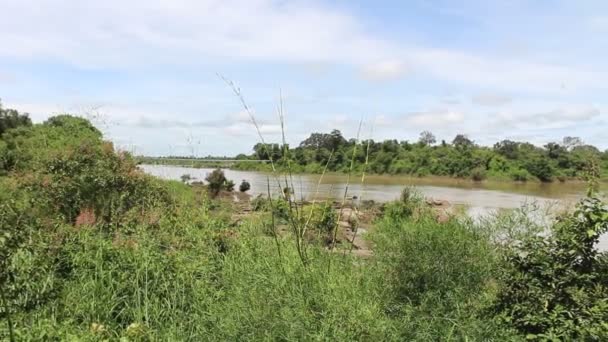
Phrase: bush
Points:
(217, 182)
(229, 185)
(186, 178)
(436, 277)
(245, 186)
(556, 287)
(541, 168)
(478, 174)
(520, 175)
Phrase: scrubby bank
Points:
(93, 249)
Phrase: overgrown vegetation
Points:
(93, 249)
(506, 160)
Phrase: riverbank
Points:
(316, 169)
(480, 196)
(95, 248)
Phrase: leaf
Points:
(591, 233)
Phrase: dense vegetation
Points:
(93, 249)
(518, 161)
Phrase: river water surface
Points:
(480, 198)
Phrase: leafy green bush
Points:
(437, 277)
(556, 287)
(478, 174)
(217, 182)
(10, 118)
(520, 175)
(245, 186)
(229, 185)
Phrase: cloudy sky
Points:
(147, 70)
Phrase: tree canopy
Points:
(507, 159)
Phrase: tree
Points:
(507, 148)
(427, 138)
(540, 168)
(571, 142)
(260, 151)
(462, 141)
(336, 139)
(245, 186)
(555, 150)
(73, 123)
(216, 180)
(10, 118)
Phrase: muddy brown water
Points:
(480, 198)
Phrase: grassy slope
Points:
(193, 276)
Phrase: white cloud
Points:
(6, 77)
(435, 118)
(384, 71)
(240, 129)
(119, 34)
(491, 100)
(552, 119)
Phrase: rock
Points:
(344, 225)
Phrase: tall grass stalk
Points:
(350, 171)
(314, 199)
(362, 193)
(273, 226)
(294, 215)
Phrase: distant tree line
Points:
(461, 157)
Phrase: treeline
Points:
(461, 157)
(93, 249)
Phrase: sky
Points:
(146, 72)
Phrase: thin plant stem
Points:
(314, 199)
(275, 234)
(356, 228)
(9, 322)
(350, 170)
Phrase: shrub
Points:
(217, 181)
(245, 186)
(556, 287)
(478, 174)
(435, 277)
(229, 185)
(520, 175)
(324, 218)
(540, 168)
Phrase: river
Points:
(480, 198)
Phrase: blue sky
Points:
(146, 71)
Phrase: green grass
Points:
(193, 276)
(91, 249)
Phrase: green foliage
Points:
(10, 118)
(217, 182)
(244, 186)
(556, 286)
(437, 278)
(92, 249)
(462, 158)
(540, 168)
(520, 175)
